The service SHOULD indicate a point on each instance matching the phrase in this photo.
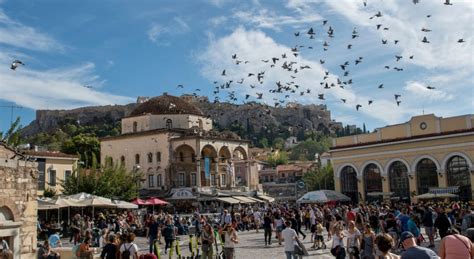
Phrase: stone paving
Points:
(252, 245)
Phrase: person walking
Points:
(289, 236)
(454, 246)
(442, 223)
(207, 240)
(384, 243)
(169, 233)
(368, 251)
(353, 240)
(267, 228)
(152, 232)
(428, 224)
(412, 250)
(278, 225)
(129, 250)
(230, 239)
(110, 250)
(337, 248)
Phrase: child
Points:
(319, 240)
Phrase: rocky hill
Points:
(249, 119)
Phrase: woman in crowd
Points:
(110, 250)
(368, 241)
(337, 241)
(454, 246)
(231, 238)
(207, 241)
(353, 238)
(84, 251)
(129, 248)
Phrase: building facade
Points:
(173, 145)
(18, 205)
(407, 159)
(53, 169)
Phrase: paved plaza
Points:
(251, 245)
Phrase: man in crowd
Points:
(412, 250)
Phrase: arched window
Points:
(349, 183)
(137, 159)
(135, 126)
(372, 179)
(398, 177)
(181, 156)
(158, 156)
(457, 171)
(159, 182)
(426, 175)
(150, 157)
(169, 124)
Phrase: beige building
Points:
(18, 206)
(53, 169)
(407, 159)
(172, 143)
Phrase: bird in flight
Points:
(461, 41)
(370, 102)
(358, 106)
(343, 100)
(223, 73)
(380, 86)
(425, 40)
(430, 87)
(179, 86)
(447, 2)
(15, 64)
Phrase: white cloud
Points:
(216, 21)
(254, 46)
(18, 35)
(58, 88)
(264, 18)
(159, 33)
(54, 89)
(420, 90)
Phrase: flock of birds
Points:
(289, 64)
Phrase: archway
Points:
(398, 177)
(209, 160)
(426, 175)
(372, 179)
(185, 154)
(240, 153)
(224, 154)
(457, 170)
(348, 178)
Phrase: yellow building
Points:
(407, 159)
(53, 169)
(172, 143)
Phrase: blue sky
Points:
(125, 49)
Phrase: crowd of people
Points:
(388, 230)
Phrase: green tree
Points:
(307, 149)
(86, 145)
(277, 158)
(320, 178)
(279, 143)
(263, 143)
(12, 135)
(111, 181)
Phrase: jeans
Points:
(168, 243)
(291, 255)
(151, 239)
(268, 236)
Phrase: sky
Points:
(83, 53)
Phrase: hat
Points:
(405, 235)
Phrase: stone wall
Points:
(18, 192)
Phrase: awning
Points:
(266, 198)
(385, 194)
(444, 190)
(125, 205)
(243, 199)
(254, 199)
(228, 200)
(45, 205)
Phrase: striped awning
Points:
(443, 190)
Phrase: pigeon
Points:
(387, 67)
(461, 41)
(179, 86)
(384, 41)
(411, 57)
(396, 41)
(234, 56)
(349, 46)
(343, 100)
(397, 96)
(398, 103)
(223, 73)
(425, 30)
(425, 40)
(297, 34)
(416, 1)
(15, 64)
(358, 106)
(430, 87)
(370, 102)
(447, 2)
(378, 26)
(380, 86)
(321, 96)
(259, 95)
(321, 61)
(88, 86)
(398, 57)
(311, 31)
(325, 22)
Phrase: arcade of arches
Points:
(399, 180)
(425, 154)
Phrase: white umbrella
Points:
(125, 205)
(322, 196)
(429, 195)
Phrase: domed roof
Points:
(166, 104)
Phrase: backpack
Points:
(126, 253)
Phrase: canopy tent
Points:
(434, 196)
(125, 205)
(323, 196)
(228, 200)
(155, 201)
(47, 205)
(243, 199)
(266, 198)
(139, 201)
